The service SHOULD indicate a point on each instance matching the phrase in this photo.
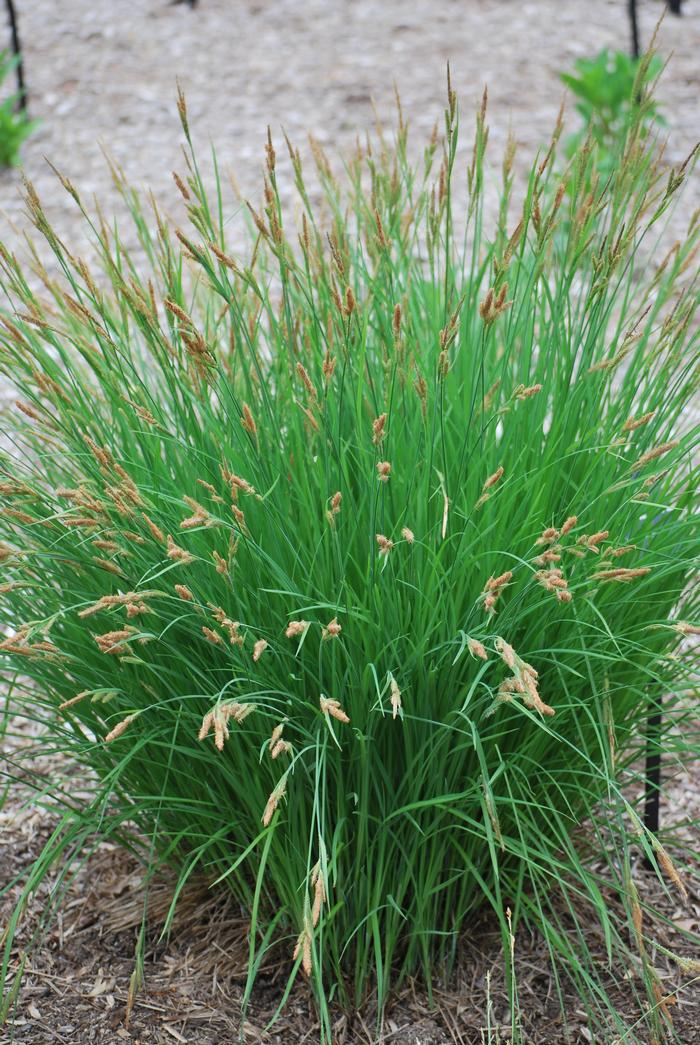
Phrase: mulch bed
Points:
(77, 977)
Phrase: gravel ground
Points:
(102, 72)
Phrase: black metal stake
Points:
(17, 51)
(652, 793)
(632, 8)
(674, 6)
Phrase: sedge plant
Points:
(347, 570)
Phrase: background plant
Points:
(349, 573)
(15, 126)
(611, 96)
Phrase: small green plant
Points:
(15, 127)
(612, 94)
(348, 567)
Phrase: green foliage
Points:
(348, 570)
(612, 93)
(14, 125)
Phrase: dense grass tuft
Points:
(348, 573)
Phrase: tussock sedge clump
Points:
(312, 555)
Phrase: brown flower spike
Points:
(333, 708)
(332, 630)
